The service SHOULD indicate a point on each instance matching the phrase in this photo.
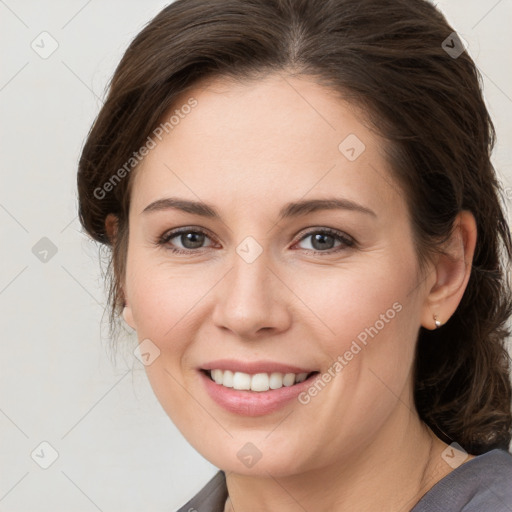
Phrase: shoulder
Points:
(483, 483)
(211, 498)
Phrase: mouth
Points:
(255, 388)
(256, 382)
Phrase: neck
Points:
(391, 473)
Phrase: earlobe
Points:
(128, 317)
(452, 270)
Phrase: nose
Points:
(252, 301)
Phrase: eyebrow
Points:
(293, 209)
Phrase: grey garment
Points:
(211, 498)
(483, 484)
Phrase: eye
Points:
(324, 240)
(190, 240)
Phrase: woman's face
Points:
(272, 281)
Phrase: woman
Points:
(237, 139)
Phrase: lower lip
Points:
(254, 403)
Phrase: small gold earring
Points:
(437, 322)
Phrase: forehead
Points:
(270, 138)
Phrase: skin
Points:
(247, 149)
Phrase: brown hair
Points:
(386, 56)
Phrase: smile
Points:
(255, 392)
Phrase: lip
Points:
(254, 403)
(254, 367)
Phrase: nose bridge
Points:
(251, 272)
(249, 299)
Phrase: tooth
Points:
(259, 382)
(289, 379)
(241, 381)
(276, 380)
(227, 381)
(217, 376)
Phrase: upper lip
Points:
(253, 367)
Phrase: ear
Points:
(452, 271)
(111, 222)
(128, 316)
(111, 226)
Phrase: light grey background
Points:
(117, 449)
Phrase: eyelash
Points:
(347, 242)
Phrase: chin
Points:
(248, 454)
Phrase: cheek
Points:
(163, 303)
(360, 299)
(161, 297)
(373, 319)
